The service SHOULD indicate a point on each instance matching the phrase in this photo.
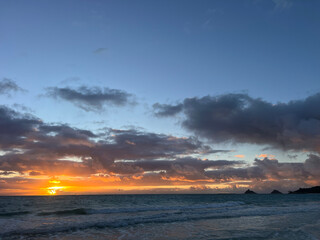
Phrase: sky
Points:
(117, 97)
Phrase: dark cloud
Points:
(271, 170)
(35, 173)
(66, 131)
(242, 119)
(176, 167)
(7, 86)
(166, 110)
(137, 145)
(312, 165)
(91, 98)
(15, 127)
(32, 145)
(6, 173)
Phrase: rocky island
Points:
(306, 190)
(276, 192)
(249, 192)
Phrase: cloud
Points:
(312, 165)
(7, 86)
(188, 167)
(267, 174)
(15, 127)
(132, 157)
(100, 50)
(91, 99)
(30, 145)
(200, 188)
(242, 119)
(6, 173)
(263, 155)
(137, 145)
(166, 110)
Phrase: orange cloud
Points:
(270, 156)
(240, 156)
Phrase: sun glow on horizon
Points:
(53, 190)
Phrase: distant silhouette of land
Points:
(306, 190)
(276, 192)
(315, 189)
(249, 192)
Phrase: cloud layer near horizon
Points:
(242, 119)
(32, 149)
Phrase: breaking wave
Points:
(84, 211)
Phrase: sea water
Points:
(229, 216)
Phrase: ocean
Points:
(221, 216)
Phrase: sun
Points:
(51, 191)
(54, 190)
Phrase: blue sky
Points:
(160, 52)
(152, 48)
